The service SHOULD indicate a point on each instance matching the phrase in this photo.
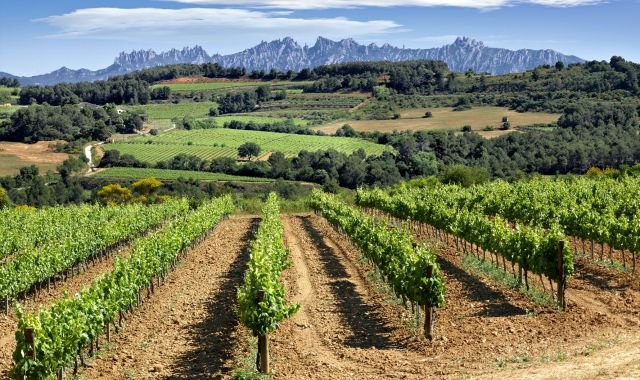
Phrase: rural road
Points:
(87, 153)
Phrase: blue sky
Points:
(42, 35)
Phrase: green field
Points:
(170, 110)
(212, 143)
(220, 120)
(169, 175)
(183, 87)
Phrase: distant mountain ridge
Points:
(286, 54)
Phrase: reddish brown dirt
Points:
(73, 284)
(189, 328)
(348, 328)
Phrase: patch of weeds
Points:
(130, 373)
(615, 265)
(248, 369)
(557, 357)
(597, 346)
(106, 349)
(486, 268)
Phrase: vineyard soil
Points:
(189, 328)
(348, 328)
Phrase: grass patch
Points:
(615, 265)
(248, 369)
(486, 268)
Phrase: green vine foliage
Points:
(533, 248)
(62, 330)
(268, 259)
(394, 251)
(111, 225)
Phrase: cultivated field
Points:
(224, 85)
(14, 156)
(182, 321)
(166, 174)
(447, 119)
(219, 142)
(170, 110)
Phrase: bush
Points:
(428, 115)
(505, 126)
(466, 128)
(464, 175)
(488, 128)
(153, 132)
(396, 116)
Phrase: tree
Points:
(466, 128)
(249, 149)
(346, 131)
(559, 65)
(114, 194)
(147, 186)
(428, 114)
(5, 201)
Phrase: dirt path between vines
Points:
(348, 328)
(73, 285)
(189, 328)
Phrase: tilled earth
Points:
(349, 328)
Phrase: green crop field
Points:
(169, 175)
(246, 118)
(170, 110)
(212, 86)
(219, 142)
(6, 90)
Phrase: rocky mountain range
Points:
(286, 54)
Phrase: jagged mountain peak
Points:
(468, 42)
(286, 54)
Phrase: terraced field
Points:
(219, 142)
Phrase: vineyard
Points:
(224, 85)
(399, 283)
(221, 142)
(167, 174)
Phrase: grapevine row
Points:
(536, 250)
(604, 211)
(22, 229)
(261, 299)
(410, 269)
(39, 264)
(52, 339)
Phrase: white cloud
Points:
(328, 4)
(212, 24)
